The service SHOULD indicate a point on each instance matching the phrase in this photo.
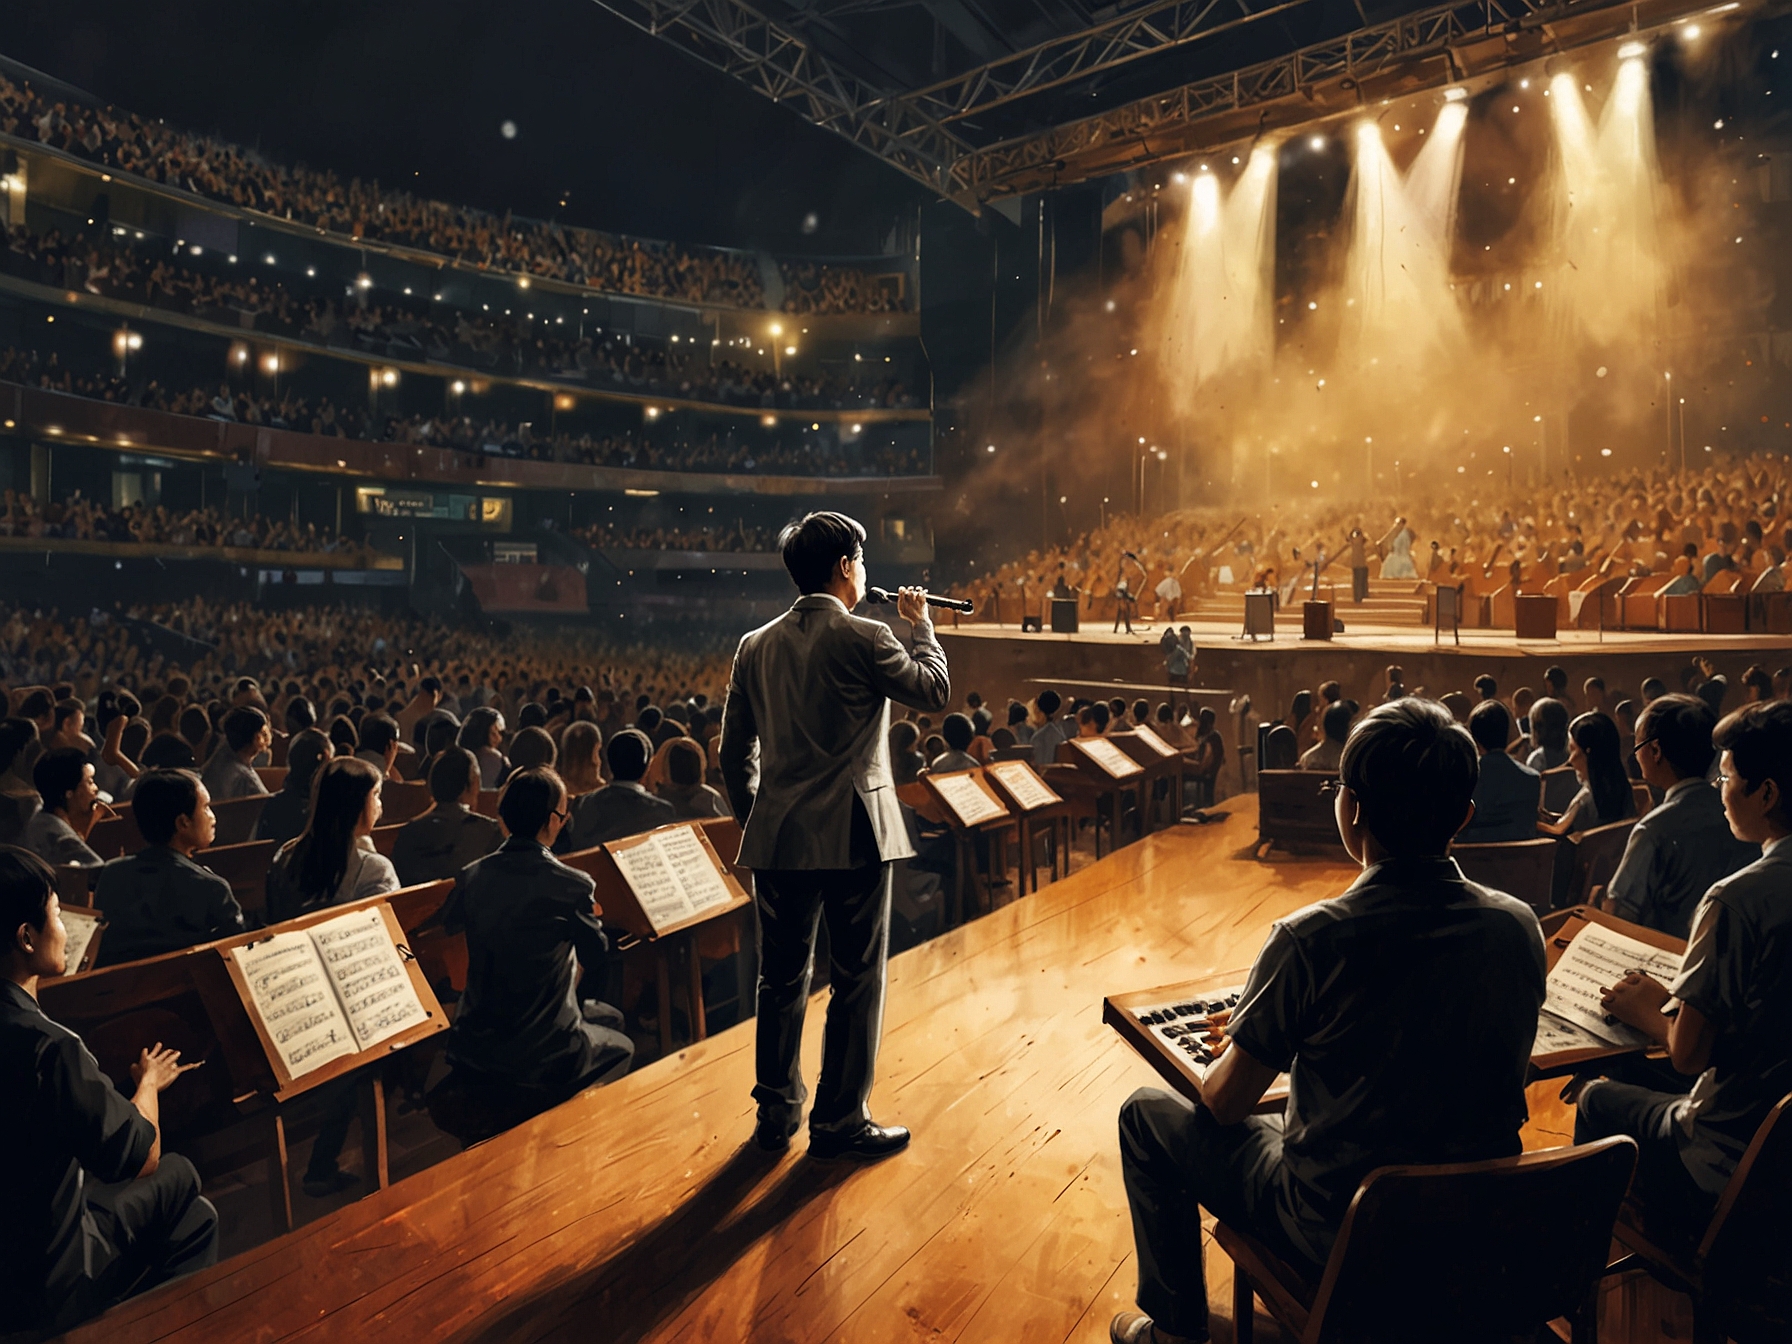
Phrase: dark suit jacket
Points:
(613, 812)
(526, 915)
(1506, 800)
(157, 901)
(284, 816)
(440, 843)
(806, 730)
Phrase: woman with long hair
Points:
(333, 859)
(579, 767)
(677, 772)
(480, 733)
(1598, 760)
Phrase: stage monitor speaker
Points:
(1316, 620)
(1031, 625)
(1064, 616)
(1534, 617)
(1259, 615)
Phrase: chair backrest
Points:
(1596, 855)
(385, 837)
(273, 777)
(116, 835)
(1482, 1250)
(237, 818)
(1745, 1255)
(1522, 868)
(1294, 806)
(1012, 754)
(402, 801)
(487, 806)
(245, 867)
(1645, 800)
(1559, 787)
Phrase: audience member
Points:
(333, 861)
(284, 815)
(444, 840)
(1605, 795)
(623, 808)
(230, 773)
(58, 833)
(1507, 794)
(1329, 750)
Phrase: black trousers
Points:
(1359, 584)
(790, 904)
(1176, 1159)
(145, 1232)
(1675, 1209)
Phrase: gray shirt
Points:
(54, 841)
(1047, 738)
(226, 777)
(1737, 971)
(1676, 852)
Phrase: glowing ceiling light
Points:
(1317, 142)
(1632, 51)
(1690, 32)
(1455, 95)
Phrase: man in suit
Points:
(445, 839)
(1507, 794)
(624, 807)
(159, 900)
(805, 759)
(1682, 848)
(527, 916)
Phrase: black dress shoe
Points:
(867, 1143)
(772, 1133)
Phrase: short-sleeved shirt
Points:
(62, 1122)
(1674, 855)
(1737, 971)
(226, 777)
(1404, 1012)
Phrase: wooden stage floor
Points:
(643, 1212)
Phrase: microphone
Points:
(879, 596)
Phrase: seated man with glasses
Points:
(1680, 848)
(527, 916)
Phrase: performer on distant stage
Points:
(805, 758)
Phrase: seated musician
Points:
(1727, 1018)
(1403, 1010)
(624, 807)
(450, 835)
(160, 900)
(527, 917)
(95, 1211)
(71, 808)
(1680, 848)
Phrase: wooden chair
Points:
(401, 802)
(1596, 855)
(1645, 800)
(1295, 807)
(116, 835)
(487, 806)
(1020, 753)
(1739, 1275)
(245, 867)
(237, 819)
(1559, 787)
(1478, 1251)
(273, 777)
(385, 837)
(1522, 868)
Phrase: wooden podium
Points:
(1316, 620)
(1534, 616)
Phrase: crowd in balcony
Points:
(463, 433)
(75, 517)
(736, 538)
(415, 329)
(128, 143)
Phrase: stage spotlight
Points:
(1180, 178)
(1455, 95)
(1691, 32)
(1316, 143)
(1632, 51)
(1367, 130)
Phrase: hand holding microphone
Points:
(912, 603)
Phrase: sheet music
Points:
(291, 993)
(969, 803)
(1555, 1036)
(1152, 740)
(694, 867)
(81, 929)
(1023, 785)
(1109, 757)
(1597, 959)
(656, 886)
(367, 975)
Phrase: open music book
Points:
(672, 873)
(1156, 743)
(84, 926)
(1596, 959)
(1022, 784)
(1107, 757)
(328, 990)
(969, 803)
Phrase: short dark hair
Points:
(161, 799)
(1549, 724)
(1556, 676)
(377, 732)
(1759, 740)
(1681, 725)
(300, 714)
(628, 753)
(1048, 701)
(530, 798)
(532, 747)
(15, 735)
(242, 725)
(813, 547)
(168, 751)
(649, 719)
(1490, 724)
(1413, 770)
(66, 710)
(58, 774)
(957, 731)
(1336, 720)
(1486, 686)
(454, 769)
(684, 762)
(1099, 716)
(1654, 687)
(37, 705)
(26, 885)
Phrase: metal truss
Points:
(921, 132)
